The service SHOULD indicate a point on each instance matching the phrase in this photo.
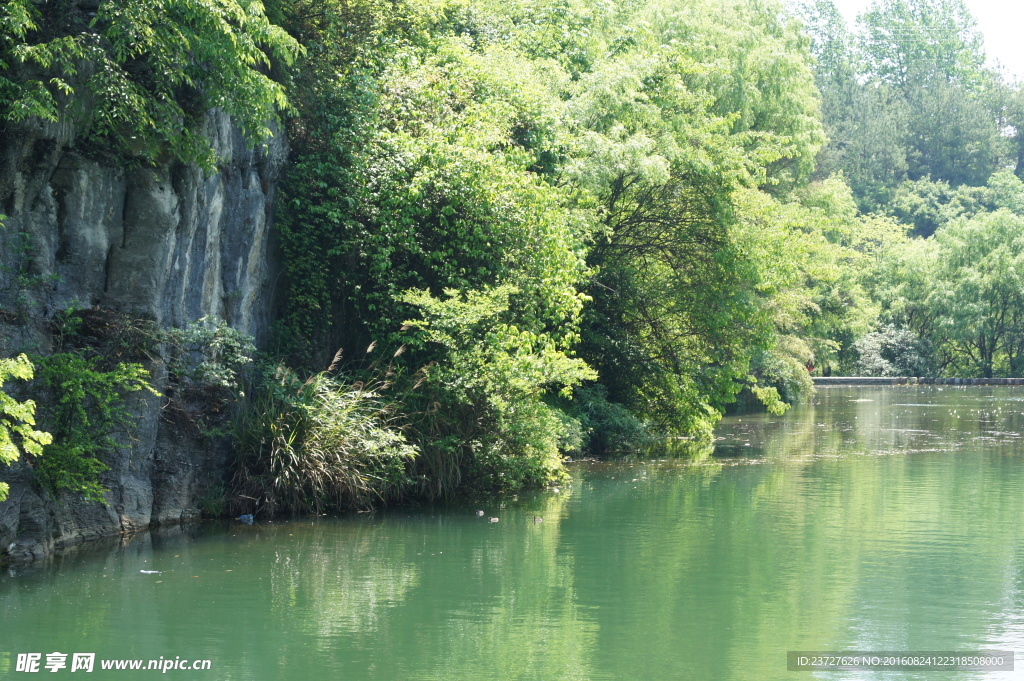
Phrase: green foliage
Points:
(924, 204)
(670, 323)
(976, 295)
(924, 133)
(780, 376)
(908, 97)
(905, 39)
(209, 353)
(630, 183)
(17, 419)
(704, 100)
(954, 134)
(442, 134)
(214, 501)
(810, 255)
(928, 205)
(607, 427)
(85, 409)
(894, 351)
(554, 153)
(323, 444)
(960, 291)
(605, 220)
(434, 172)
(755, 65)
(206, 366)
(491, 375)
(139, 76)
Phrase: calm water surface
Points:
(876, 518)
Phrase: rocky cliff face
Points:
(171, 243)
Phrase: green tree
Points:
(953, 136)
(810, 252)
(705, 100)
(865, 119)
(138, 76)
(908, 96)
(928, 205)
(893, 351)
(910, 42)
(426, 160)
(977, 290)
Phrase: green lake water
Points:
(888, 519)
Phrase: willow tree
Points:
(976, 295)
(703, 100)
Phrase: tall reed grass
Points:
(315, 446)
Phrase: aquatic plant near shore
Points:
(323, 444)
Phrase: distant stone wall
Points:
(911, 380)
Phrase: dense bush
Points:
(484, 411)
(607, 428)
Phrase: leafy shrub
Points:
(784, 370)
(81, 391)
(85, 411)
(607, 427)
(205, 365)
(17, 419)
(209, 352)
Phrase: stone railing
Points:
(912, 380)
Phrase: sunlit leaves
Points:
(17, 419)
(497, 372)
(140, 75)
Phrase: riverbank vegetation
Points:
(570, 226)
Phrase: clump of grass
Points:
(319, 445)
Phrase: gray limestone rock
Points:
(171, 243)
